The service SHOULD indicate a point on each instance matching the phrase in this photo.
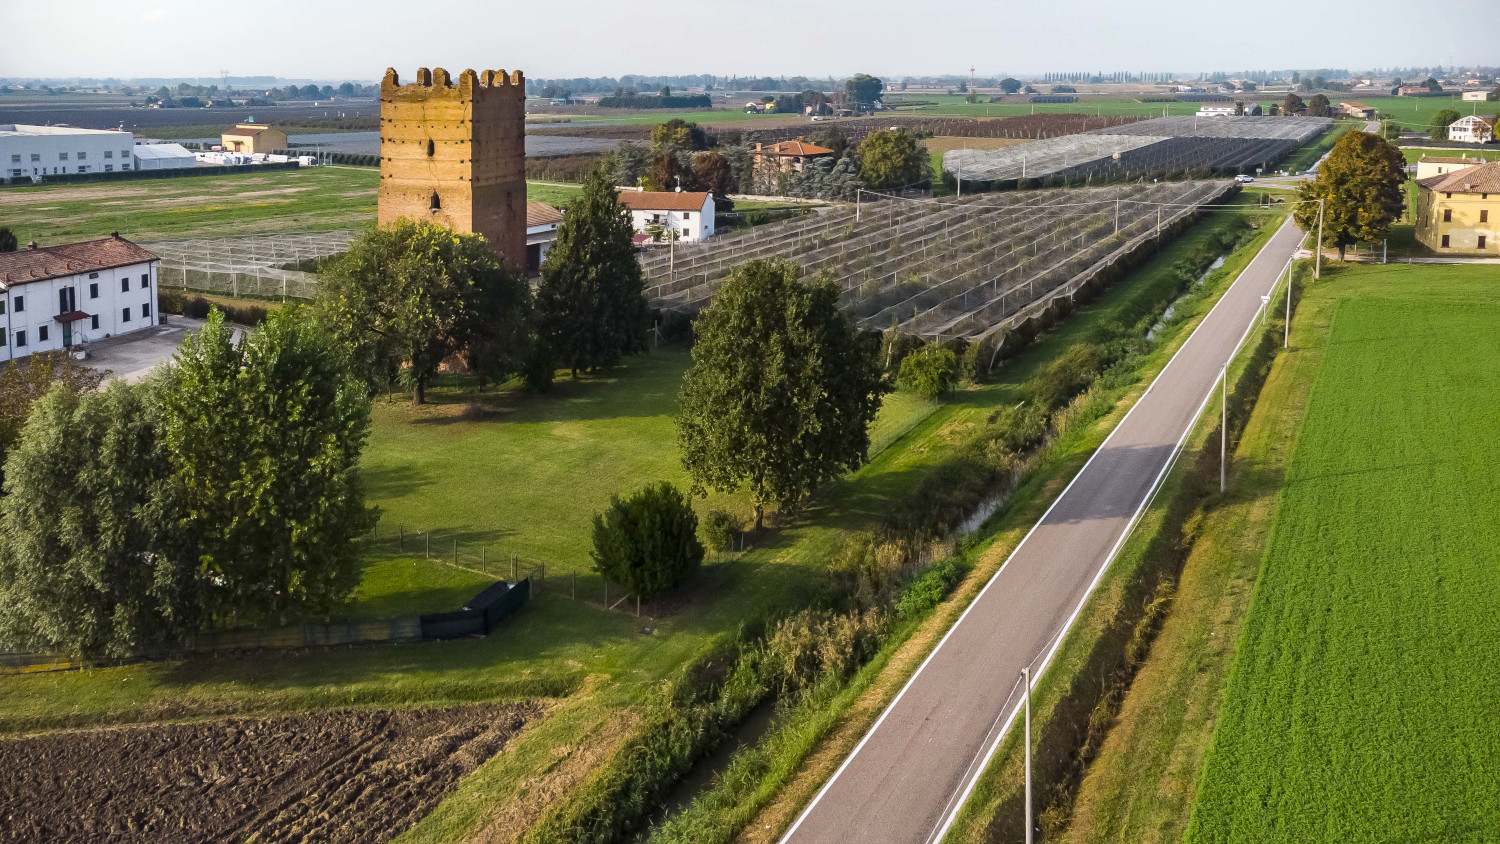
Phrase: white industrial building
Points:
(1216, 110)
(690, 215)
(32, 151)
(163, 157)
(59, 297)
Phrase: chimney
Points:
(115, 235)
(31, 245)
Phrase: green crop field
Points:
(240, 203)
(1361, 703)
(1416, 112)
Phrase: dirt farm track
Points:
(349, 776)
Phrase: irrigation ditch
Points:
(810, 665)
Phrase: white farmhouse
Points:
(27, 152)
(1472, 130)
(57, 297)
(689, 214)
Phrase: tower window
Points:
(431, 148)
(436, 204)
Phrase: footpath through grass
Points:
(1361, 703)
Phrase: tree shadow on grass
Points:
(640, 386)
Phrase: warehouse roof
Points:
(42, 263)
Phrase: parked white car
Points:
(1243, 179)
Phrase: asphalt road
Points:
(912, 771)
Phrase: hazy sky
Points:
(746, 37)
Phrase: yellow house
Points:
(253, 137)
(1437, 165)
(1459, 213)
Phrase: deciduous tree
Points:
(591, 304)
(782, 388)
(1438, 128)
(407, 297)
(264, 438)
(892, 158)
(1292, 105)
(1319, 106)
(7, 240)
(24, 381)
(1009, 85)
(929, 371)
(1360, 185)
(863, 89)
(89, 564)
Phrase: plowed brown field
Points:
(342, 776)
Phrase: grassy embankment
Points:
(247, 203)
(1097, 658)
(1146, 778)
(765, 785)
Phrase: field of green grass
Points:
(1415, 113)
(1360, 703)
(243, 203)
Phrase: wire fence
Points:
(259, 266)
(470, 552)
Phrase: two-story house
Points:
(59, 297)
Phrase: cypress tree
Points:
(591, 305)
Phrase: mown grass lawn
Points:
(227, 205)
(1361, 702)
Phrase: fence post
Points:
(514, 567)
(427, 538)
(455, 550)
(637, 605)
(401, 536)
(481, 560)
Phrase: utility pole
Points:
(1223, 424)
(1318, 264)
(1026, 682)
(1286, 339)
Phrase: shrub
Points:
(648, 542)
(719, 529)
(1066, 376)
(929, 371)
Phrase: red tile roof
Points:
(1484, 178)
(27, 265)
(801, 148)
(541, 214)
(663, 200)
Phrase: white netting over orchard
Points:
(1162, 147)
(264, 266)
(955, 268)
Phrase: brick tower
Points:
(456, 154)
